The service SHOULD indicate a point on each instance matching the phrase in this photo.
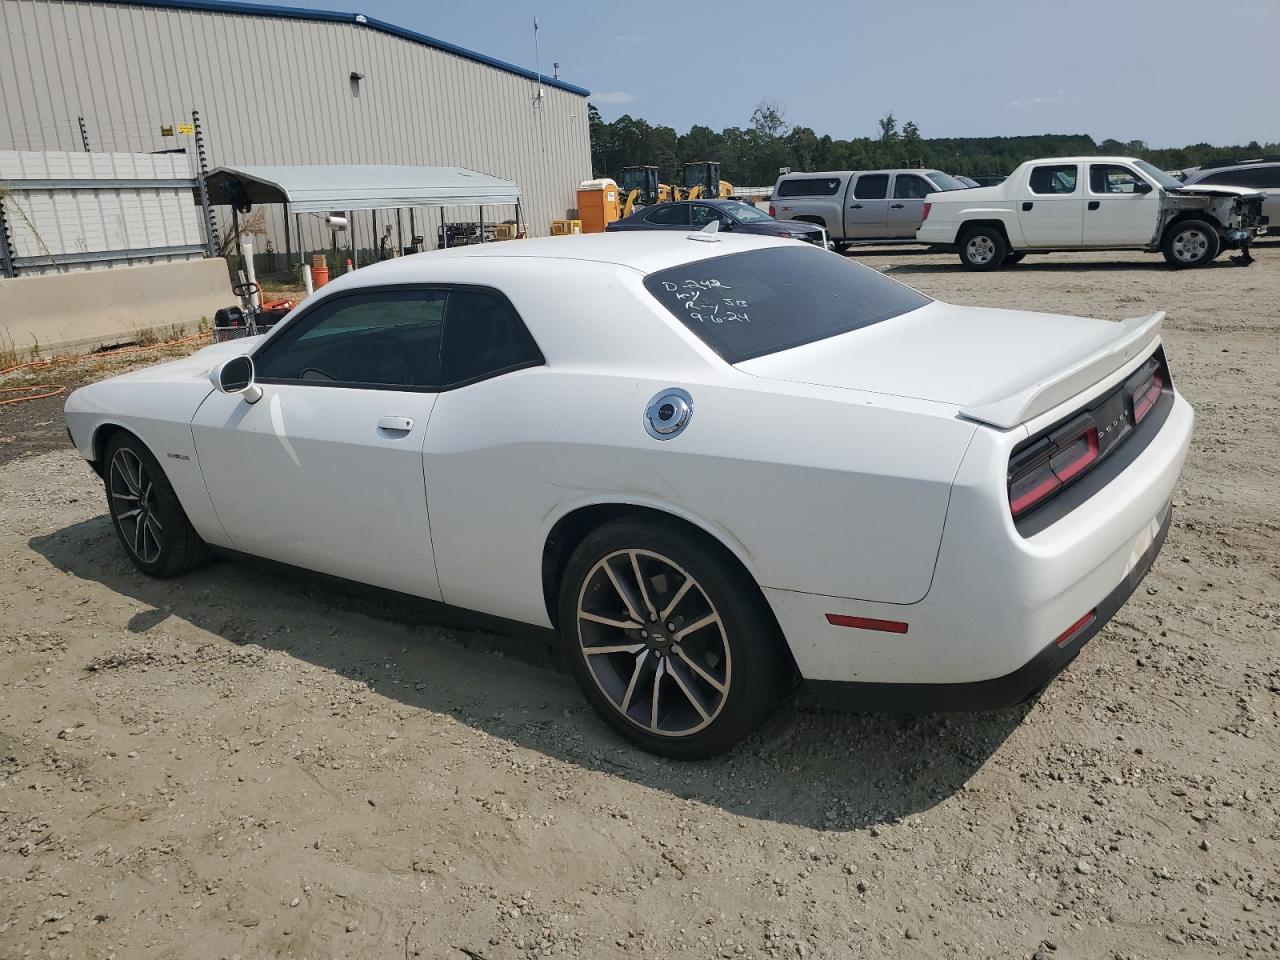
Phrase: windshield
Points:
(744, 212)
(747, 305)
(944, 181)
(1158, 175)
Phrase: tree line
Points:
(752, 155)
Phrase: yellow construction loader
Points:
(702, 180)
(640, 188)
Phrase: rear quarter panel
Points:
(814, 489)
(950, 210)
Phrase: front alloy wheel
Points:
(134, 498)
(145, 511)
(1191, 243)
(669, 638)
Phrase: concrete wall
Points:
(79, 311)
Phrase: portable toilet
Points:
(597, 204)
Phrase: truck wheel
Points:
(983, 248)
(1190, 243)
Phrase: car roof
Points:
(1198, 172)
(645, 251)
(849, 173)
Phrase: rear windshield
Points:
(747, 305)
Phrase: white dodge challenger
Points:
(708, 461)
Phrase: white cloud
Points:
(612, 97)
(630, 38)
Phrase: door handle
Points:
(897, 206)
(396, 424)
(1094, 204)
(856, 206)
(1027, 206)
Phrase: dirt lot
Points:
(230, 765)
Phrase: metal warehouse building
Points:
(277, 85)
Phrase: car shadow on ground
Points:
(807, 767)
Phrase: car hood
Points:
(1217, 190)
(961, 356)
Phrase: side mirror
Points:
(726, 224)
(1142, 187)
(236, 376)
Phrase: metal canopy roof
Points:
(319, 189)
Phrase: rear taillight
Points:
(771, 212)
(1144, 389)
(1043, 468)
(926, 212)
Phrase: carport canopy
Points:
(320, 189)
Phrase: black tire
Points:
(1013, 257)
(159, 540)
(983, 248)
(1190, 243)
(741, 651)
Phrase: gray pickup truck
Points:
(860, 205)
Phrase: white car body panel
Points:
(863, 474)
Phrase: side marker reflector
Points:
(1070, 633)
(866, 623)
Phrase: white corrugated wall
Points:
(277, 90)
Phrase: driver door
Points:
(325, 470)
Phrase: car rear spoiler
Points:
(1043, 389)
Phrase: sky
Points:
(1168, 72)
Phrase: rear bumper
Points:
(1005, 691)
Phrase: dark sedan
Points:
(733, 215)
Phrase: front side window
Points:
(872, 186)
(407, 338)
(907, 186)
(668, 214)
(1112, 178)
(1258, 178)
(1054, 179)
(701, 215)
(381, 338)
(747, 305)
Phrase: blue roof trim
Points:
(335, 16)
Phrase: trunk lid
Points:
(1001, 367)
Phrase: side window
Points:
(483, 336)
(872, 186)
(1260, 178)
(701, 215)
(1111, 178)
(667, 214)
(809, 187)
(383, 338)
(1055, 178)
(907, 186)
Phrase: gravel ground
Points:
(235, 764)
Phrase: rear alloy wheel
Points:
(145, 511)
(983, 248)
(669, 645)
(1190, 243)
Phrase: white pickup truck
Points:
(1092, 203)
